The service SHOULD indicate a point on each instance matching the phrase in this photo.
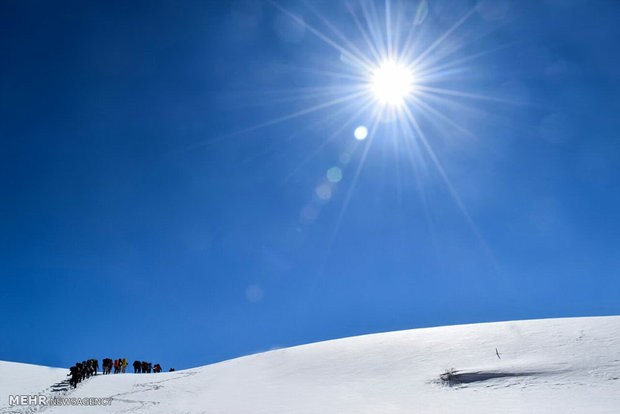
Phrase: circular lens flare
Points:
(361, 132)
(392, 83)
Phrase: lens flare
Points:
(392, 83)
(361, 132)
(396, 71)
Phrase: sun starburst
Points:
(392, 83)
(390, 74)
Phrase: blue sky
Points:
(159, 202)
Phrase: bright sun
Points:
(391, 83)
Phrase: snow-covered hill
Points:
(546, 366)
(27, 379)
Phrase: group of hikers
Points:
(85, 369)
(82, 370)
(119, 365)
(146, 367)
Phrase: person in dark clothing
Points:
(91, 367)
(136, 367)
(107, 365)
(82, 368)
(75, 374)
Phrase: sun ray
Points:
(278, 120)
(298, 98)
(442, 91)
(441, 39)
(411, 145)
(306, 111)
(369, 43)
(361, 60)
(358, 170)
(408, 48)
(397, 76)
(375, 32)
(423, 73)
(434, 112)
(323, 123)
(446, 179)
(341, 75)
(435, 60)
(331, 137)
(342, 37)
(388, 29)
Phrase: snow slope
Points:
(16, 378)
(546, 366)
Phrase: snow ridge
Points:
(547, 366)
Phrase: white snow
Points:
(546, 366)
(27, 379)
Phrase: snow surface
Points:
(16, 378)
(546, 366)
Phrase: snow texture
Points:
(546, 366)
